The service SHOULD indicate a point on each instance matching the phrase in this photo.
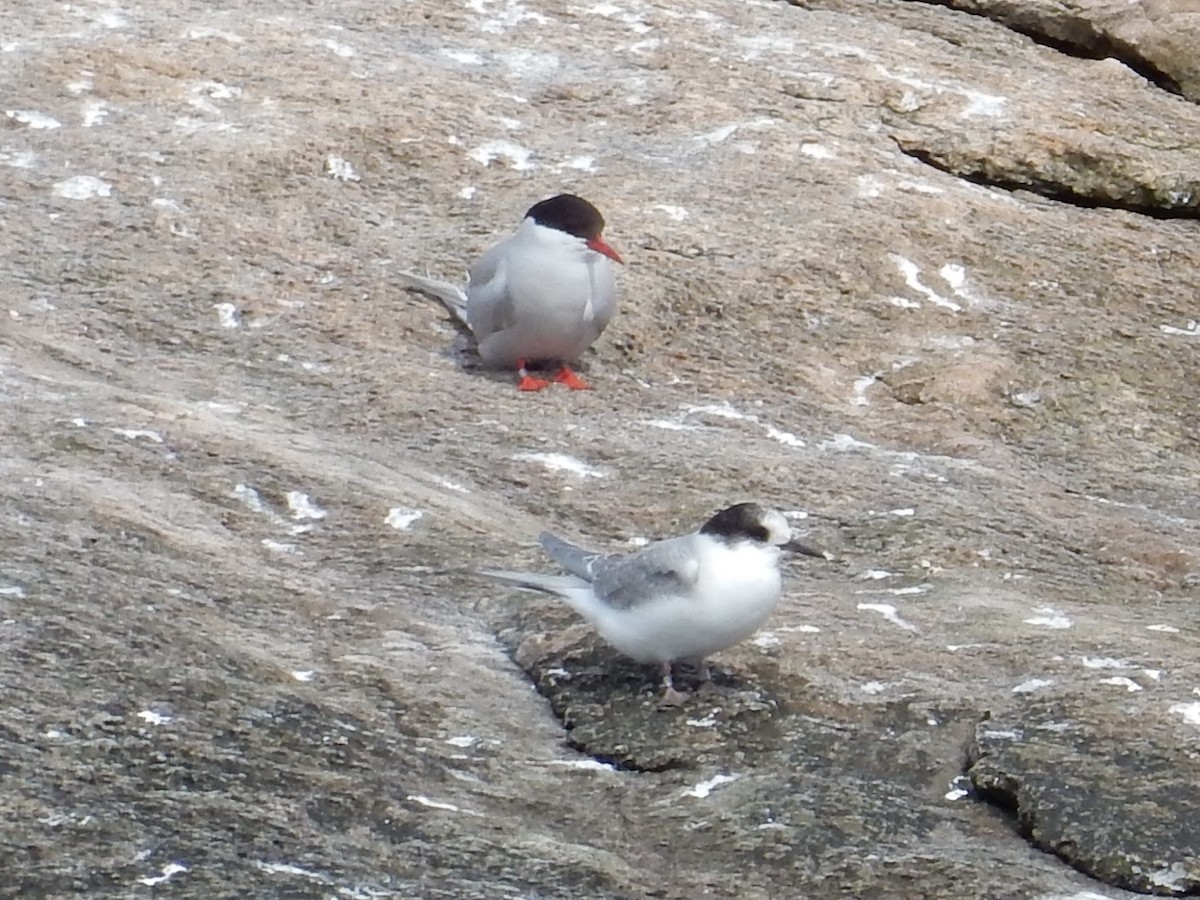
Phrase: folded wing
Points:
(489, 307)
(666, 567)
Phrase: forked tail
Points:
(559, 585)
(575, 591)
(450, 295)
(573, 558)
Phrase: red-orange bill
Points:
(599, 245)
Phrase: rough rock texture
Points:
(1130, 147)
(1096, 781)
(247, 478)
(1157, 38)
(1131, 150)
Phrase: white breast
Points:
(736, 589)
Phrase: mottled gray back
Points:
(666, 567)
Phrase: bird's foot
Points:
(529, 382)
(571, 380)
(670, 696)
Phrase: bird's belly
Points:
(558, 316)
(689, 627)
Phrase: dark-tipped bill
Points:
(805, 550)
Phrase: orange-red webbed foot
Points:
(527, 381)
(571, 380)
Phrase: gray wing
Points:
(668, 566)
(489, 304)
(572, 557)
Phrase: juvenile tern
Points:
(540, 296)
(683, 598)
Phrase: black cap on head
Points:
(742, 521)
(568, 213)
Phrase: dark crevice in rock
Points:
(1070, 35)
(1059, 787)
(1002, 799)
(623, 764)
(1051, 190)
(1000, 795)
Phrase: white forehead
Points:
(778, 530)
